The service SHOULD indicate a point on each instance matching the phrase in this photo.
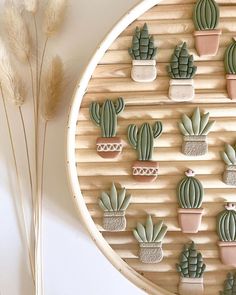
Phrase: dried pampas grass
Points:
(31, 5)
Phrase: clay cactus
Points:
(230, 68)
(229, 285)
(229, 157)
(150, 237)
(114, 206)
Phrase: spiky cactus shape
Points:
(105, 116)
(182, 63)
(229, 285)
(142, 139)
(226, 224)
(143, 47)
(191, 263)
(230, 58)
(229, 155)
(190, 192)
(206, 15)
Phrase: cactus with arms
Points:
(229, 285)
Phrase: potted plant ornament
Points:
(206, 18)
(229, 285)
(230, 68)
(229, 157)
(191, 269)
(226, 228)
(150, 237)
(143, 53)
(190, 196)
(105, 116)
(142, 140)
(181, 71)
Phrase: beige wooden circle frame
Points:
(97, 237)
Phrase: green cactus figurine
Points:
(229, 157)
(229, 285)
(230, 68)
(105, 116)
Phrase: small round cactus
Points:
(226, 224)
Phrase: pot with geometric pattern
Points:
(109, 148)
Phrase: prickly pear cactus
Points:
(230, 58)
(226, 224)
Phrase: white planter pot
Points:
(150, 253)
(144, 70)
(114, 221)
(229, 176)
(181, 89)
(191, 286)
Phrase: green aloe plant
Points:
(143, 139)
(143, 47)
(230, 57)
(197, 125)
(229, 285)
(105, 116)
(229, 155)
(150, 233)
(226, 224)
(191, 263)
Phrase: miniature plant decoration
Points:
(230, 68)
(229, 157)
(190, 196)
(195, 131)
(191, 269)
(114, 206)
(229, 285)
(226, 228)
(143, 53)
(206, 17)
(105, 116)
(142, 140)
(150, 237)
(181, 71)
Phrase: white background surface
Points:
(72, 263)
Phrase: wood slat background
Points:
(171, 23)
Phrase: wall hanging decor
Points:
(229, 157)
(226, 228)
(206, 17)
(230, 68)
(191, 269)
(105, 116)
(190, 196)
(114, 206)
(181, 71)
(142, 140)
(143, 53)
(150, 237)
(229, 285)
(195, 130)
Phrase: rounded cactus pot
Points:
(195, 145)
(145, 171)
(207, 42)
(228, 253)
(191, 286)
(114, 221)
(144, 70)
(190, 220)
(231, 86)
(229, 176)
(181, 89)
(109, 147)
(150, 252)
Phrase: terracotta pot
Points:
(228, 253)
(145, 171)
(181, 89)
(207, 42)
(195, 145)
(150, 252)
(114, 221)
(229, 176)
(191, 286)
(231, 86)
(144, 70)
(190, 220)
(109, 147)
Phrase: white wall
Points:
(72, 263)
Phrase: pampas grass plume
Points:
(31, 5)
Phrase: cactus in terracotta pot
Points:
(142, 140)
(114, 206)
(206, 16)
(181, 71)
(230, 68)
(150, 237)
(191, 269)
(229, 285)
(195, 130)
(229, 157)
(226, 229)
(105, 116)
(143, 53)
(190, 196)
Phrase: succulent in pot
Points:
(229, 157)
(181, 71)
(114, 206)
(230, 68)
(206, 18)
(150, 237)
(191, 269)
(190, 196)
(143, 53)
(142, 140)
(229, 285)
(105, 116)
(226, 228)
(195, 131)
